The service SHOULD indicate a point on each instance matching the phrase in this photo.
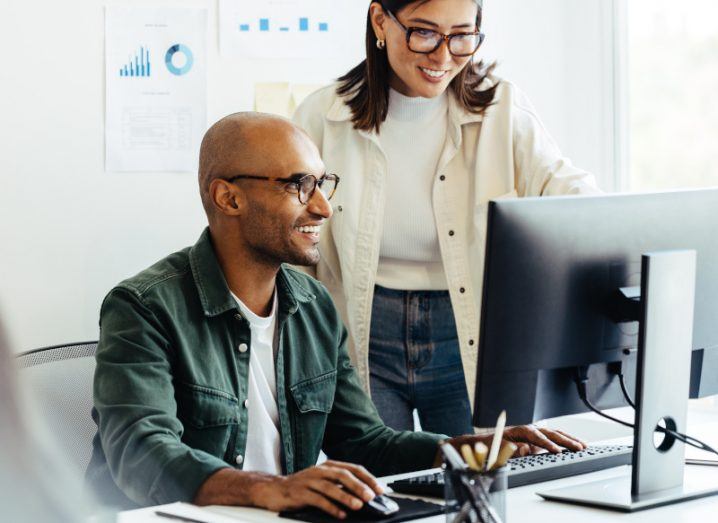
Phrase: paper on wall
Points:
(155, 71)
(277, 29)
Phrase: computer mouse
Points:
(380, 507)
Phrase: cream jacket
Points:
(506, 152)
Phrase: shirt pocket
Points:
(315, 394)
(313, 399)
(210, 419)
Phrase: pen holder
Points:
(475, 497)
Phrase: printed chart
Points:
(280, 28)
(139, 65)
(156, 88)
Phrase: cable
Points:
(622, 381)
(616, 367)
(582, 387)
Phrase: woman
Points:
(422, 137)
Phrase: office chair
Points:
(60, 381)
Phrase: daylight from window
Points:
(673, 93)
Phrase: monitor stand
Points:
(664, 357)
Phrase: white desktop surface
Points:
(522, 503)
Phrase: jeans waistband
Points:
(397, 293)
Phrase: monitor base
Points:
(615, 493)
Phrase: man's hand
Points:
(332, 486)
(531, 439)
(528, 438)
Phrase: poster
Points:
(156, 88)
(279, 29)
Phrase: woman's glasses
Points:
(426, 41)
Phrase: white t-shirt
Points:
(263, 436)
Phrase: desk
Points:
(522, 502)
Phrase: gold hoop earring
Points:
(380, 44)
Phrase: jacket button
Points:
(451, 233)
(242, 347)
(246, 404)
(442, 177)
(239, 459)
(462, 290)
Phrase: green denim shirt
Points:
(170, 384)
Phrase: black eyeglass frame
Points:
(296, 179)
(444, 37)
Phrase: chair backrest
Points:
(60, 381)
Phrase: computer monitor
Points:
(552, 273)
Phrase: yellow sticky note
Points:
(273, 98)
(300, 92)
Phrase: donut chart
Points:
(189, 59)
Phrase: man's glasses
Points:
(426, 41)
(303, 185)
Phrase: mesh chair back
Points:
(60, 381)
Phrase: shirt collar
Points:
(214, 293)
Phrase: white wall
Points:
(561, 53)
(69, 231)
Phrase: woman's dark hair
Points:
(366, 86)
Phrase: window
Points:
(672, 74)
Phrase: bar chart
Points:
(137, 65)
(274, 29)
(301, 24)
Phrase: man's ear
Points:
(226, 197)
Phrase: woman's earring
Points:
(380, 43)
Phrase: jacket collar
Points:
(214, 293)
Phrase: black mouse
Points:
(380, 507)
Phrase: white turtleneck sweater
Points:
(412, 137)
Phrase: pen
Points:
(469, 457)
(177, 517)
(480, 453)
(496, 442)
(507, 450)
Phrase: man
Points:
(221, 373)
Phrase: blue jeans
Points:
(414, 362)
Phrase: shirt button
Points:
(462, 290)
(451, 233)
(246, 404)
(242, 347)
(238, 317)
(442, 177)
(471, 342)
(239, 459)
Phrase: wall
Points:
(69, 231)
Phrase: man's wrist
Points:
(228, 486)
(259, 489)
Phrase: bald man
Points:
(222, 373)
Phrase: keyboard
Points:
(531, 469)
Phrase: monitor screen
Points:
(552, 273)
